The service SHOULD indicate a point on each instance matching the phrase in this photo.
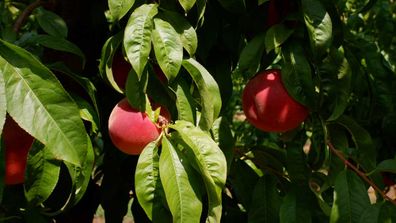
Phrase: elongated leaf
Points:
(181, 185)
(296, 164)
(387, 166)
(208, 90)
(136, 90)
(168, 48)
(51, 23)
(371, 214)
(350, 198)
(187, 4)
(3, 103)
(297, 74)
(87, 113)
(184, 103)
(366, 153)
(266, 201)
(276, 35)
(201, 8)
(106, 59)
(42, 174)
(223, 136)
(119, 8)
(295, 206)
(137, 36)
(39, 104)
(56, 43)
(148, 187)
(319, 25)
(186, 31)
(206, 157)
(250, 58)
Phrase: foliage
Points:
(209, 164)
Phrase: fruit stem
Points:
(26, 13)
(359, 172)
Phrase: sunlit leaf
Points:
(3, 103)
(187, 4)
(119, 8)
(51, 23)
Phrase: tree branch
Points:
(360, 173)
(26, 13)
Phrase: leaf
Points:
(3, 103)
(296, 164)
(137, 36)
(350, 198)
(387, 166)
(119, 8)
(185, 103)
(235, 6)
(266, 201)
(208, 90)
(297, 74)
(148, 187)
(42, 174)
(206, 158)
(39, 104)
(295, 206)
(87, 113)
(371, 214)
(223, 136)
(56, 43)
(187, 4)
(276, 35)
(201, 8)
(135, 90)
(318, 23)
(106, 59)
(51, 23)
(186, 31)
(181, 185)
(366, 152)
(168, 48)
(250, 57)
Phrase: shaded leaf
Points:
(208, 90)
(119, 8)
(295, 206)
(276, 35)
(136, 90)
(180, 183)
(168, 48)
(51, 23)
(137, 36)
(387, 166)
(350, 198)
(185, 103)
(250, 57)
(235, 6)
(41, 106)
(222, 135)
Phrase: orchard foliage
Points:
(194, 57)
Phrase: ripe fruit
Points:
(17, 144)
(268, 106)
(120, 68)
(131, 130)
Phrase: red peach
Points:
(17, 144)
(268, 106)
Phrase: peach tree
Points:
(198, 110)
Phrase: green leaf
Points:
(371, 214)
(168, 48)
(87, 113)
(295, 206)
(186, 31)
(350, 198)
(106, 59)
(266, 201)
(297, 74)
(387, 166)
(208, 90)
(201, 8)
(51, 23)
(39, 104)
(276, 35)
(137, 36)
(319, 26)
(148, 187)
(119, 8)
(207, 158)
(250, 58)
(185, 103)
(3, 103)
(56, 43)
(135, 90)
(222, 135)
(235, 6)
(42, 174)
(366, 152)
(296, 164)
(187, 4)
(181, 184)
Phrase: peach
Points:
(131, 130)
(17, 144)
(120, 68)
(268, 106)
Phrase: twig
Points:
(360, 173)
(25, 14)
